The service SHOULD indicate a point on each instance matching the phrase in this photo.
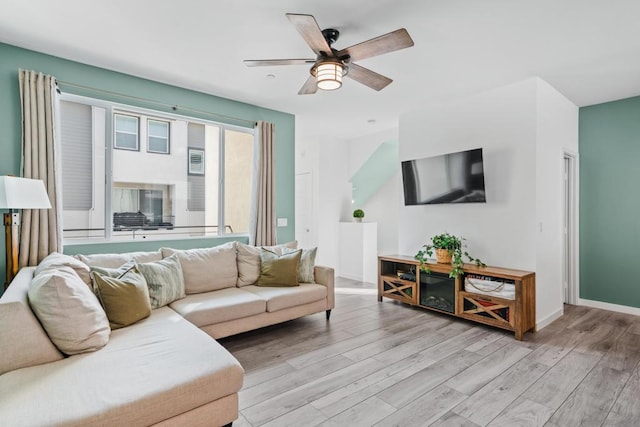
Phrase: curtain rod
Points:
(163, 104)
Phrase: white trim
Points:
(550, 319)
(608, 306)
(574, 286)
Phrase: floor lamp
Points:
(18, 193)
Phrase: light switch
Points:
(282, 222)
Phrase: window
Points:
(196, 161)
(126, 130)
(158, 136)
(200, 187)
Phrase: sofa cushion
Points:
(249, 261)
(125, 298)
(307, 264)
(279, 270)
(68, 311)
(281, 298)
(116, 260)
(55, 260)
(164, 280)
(22, 340)
(207, 269)
(219, 306)
(153, 370)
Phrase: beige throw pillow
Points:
(279, 270)
(164, 280)
(116, 260)
(68, 310)
(307, 264)
(55, 260)
(125, 298)
(207, 269)
(248, 258)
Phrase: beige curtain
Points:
(263, 213)
(40, 232)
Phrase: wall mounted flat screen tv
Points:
(449, 178)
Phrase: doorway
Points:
(570, 228)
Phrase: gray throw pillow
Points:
(307, 264)
(164, 280)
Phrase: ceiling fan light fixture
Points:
(329, 75)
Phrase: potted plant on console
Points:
(449, 250)
(358, 214)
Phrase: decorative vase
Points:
(443, 256)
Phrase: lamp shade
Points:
(329, 75)
(23, 193)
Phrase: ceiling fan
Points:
(331, 65)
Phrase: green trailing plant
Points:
(454, 245)
(358, 213)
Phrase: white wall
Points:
(502, 122)
(326, 161)
(522, 129)
(557, 131)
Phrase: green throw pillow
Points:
(307, 264)
(278, 270)
(125, 299)
(164, 280)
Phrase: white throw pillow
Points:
(116, 260)
(164, 280)
(307, 264)
(207, 269)
(56, 260)
(69, 312)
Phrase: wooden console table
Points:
(400, 278)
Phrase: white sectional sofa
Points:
(163, 370)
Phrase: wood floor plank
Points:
(490, 343)
(626, 410)
(253, 395)
(425, 410)
(477, 375)
(624, 354)
(364, 414)
(354, 393)
(484, 405)
(453, 420)
(427, 379)
(600, 339)
(590, 402)
(295, 398)
(259, 376)
(555, 348)
(523, 413)
(553, 388)
(306, 415)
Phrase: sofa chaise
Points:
(165, 369)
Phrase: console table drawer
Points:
(486, 309)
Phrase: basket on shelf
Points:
(443, 256)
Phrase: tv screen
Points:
(449, 178)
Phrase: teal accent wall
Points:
(13, 58)
(609, 148)
(383, 164)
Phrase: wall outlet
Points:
(282, 222)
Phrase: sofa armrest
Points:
(325, 276)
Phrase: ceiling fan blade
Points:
(310, 32)
(268, 62)
(309, 87)
(396, 40)
(367, 77)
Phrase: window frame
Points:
(115, 130)
(168, 123)
(113, 108)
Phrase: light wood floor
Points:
(388, 364)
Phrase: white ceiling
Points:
(587, 49)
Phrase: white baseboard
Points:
(550, 318)
(611, 307)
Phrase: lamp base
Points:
(11, 224)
